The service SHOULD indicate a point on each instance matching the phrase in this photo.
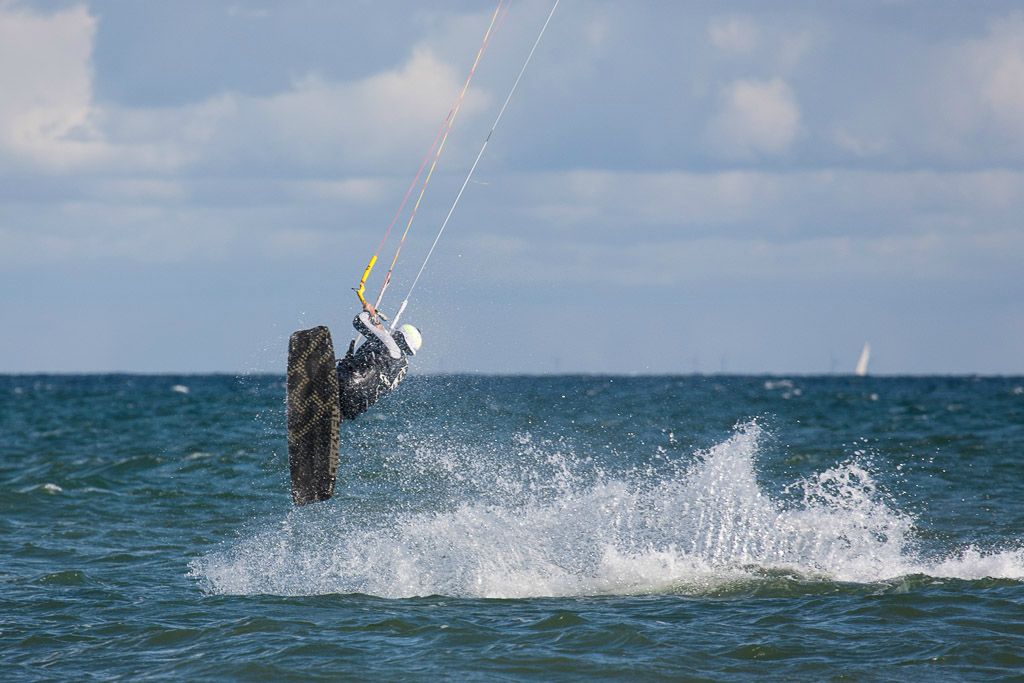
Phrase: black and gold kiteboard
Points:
(313, 415)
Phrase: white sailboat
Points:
(862, 362)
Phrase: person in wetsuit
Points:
(378, 366)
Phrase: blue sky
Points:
(676, 187)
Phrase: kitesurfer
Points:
(377, 366)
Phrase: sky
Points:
(675, 187)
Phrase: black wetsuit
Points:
(373, 370)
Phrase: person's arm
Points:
(366, 326)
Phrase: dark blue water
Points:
(556, 528)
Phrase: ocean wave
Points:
(542, 521)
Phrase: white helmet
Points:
(409, 338)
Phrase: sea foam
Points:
(560, 526)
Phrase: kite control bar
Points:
(362, 281)
(377, 316)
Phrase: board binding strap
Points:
(313, 415)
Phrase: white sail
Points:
(862, 362)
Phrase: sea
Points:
(499, 528)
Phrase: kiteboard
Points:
(313, 415)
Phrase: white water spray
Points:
(565, 528)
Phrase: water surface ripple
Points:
(517, 528)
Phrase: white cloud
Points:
(597, 30)
(969, 107)
(784, 204)
(819, 261)
(756, 118)
(137, 233)
(859, 145)
(734, 35)
(368, 121)
(617, 228)
(47, 115)
(999, 61)
(317, 124)
(351, 190)
(242, 12)
(767, 44)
